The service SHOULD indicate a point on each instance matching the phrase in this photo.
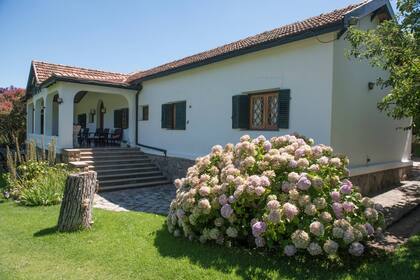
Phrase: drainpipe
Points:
(137, 125)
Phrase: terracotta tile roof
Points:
(45, 70)
(309, 24)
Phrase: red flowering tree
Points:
(12, 114)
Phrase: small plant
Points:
(31, 150)
(285, 194)
(52, 153)
(46, 190)
(35, 181)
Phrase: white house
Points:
(295, 78)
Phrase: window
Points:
(81, 120)
(263, 111)
(144, 113)
(121, 118)
(174, 115)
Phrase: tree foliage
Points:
(394, 47)
(12, 115)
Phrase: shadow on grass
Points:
(46, 231)
(249, 263)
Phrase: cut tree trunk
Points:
(76, 208)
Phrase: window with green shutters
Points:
(174, 115)
(121, 118)
(262, 111)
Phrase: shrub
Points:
(286, 194)
(38, 183)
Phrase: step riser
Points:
(111, 158)
(111, 153)
(118, 162)
(126, 170)
(134, 186)
(129, 176)
(121, 166)
(130, 181)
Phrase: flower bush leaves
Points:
(285, 194)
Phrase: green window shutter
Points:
(240, 111)
(124, 118)
(180, 115)
(117, 119)
(283, 108)
(167, 116)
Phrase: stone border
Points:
(377, 182)
(171, 167)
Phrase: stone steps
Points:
(134, 185)
(122, 168)
(399, 201)
(105, 172)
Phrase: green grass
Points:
(137, 246)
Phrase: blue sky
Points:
(125, 36)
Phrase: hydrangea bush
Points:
(285, 194)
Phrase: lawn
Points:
(137, 246)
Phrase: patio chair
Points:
(116, 136)
(103, 137)
(83, 136)
(96, 136)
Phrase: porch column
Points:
(132, 119)
(48, 115)
(65, 115)
(39, 107)
(30, 118)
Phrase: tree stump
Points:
(77, 204)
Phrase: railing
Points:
(153, 148)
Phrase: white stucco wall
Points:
(359, 129)
(304, 67)
(111, 102)
(66, 111)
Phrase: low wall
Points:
(172, 167)
(369, 184)
(377, 182)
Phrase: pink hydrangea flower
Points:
(258, 228)
(273, 204)
(223, 199)
(316, 228)
(259, 190)
(290, 250)
(346, 187)
(226, 211)
(338, 209)
(356, 249)
(303, 183)
(290, 210)
(335, 196)
(267, 145)
(348, 207)
(369, 229)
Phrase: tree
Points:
(12, 115)
(394, 47)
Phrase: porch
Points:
(79, 115)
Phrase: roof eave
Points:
(367, 9)
(54, 78)
(262, 46)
